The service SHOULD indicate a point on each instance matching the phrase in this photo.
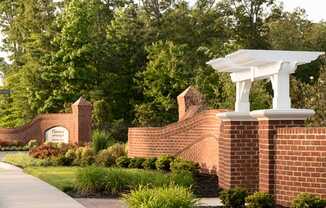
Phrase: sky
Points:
(315, 10)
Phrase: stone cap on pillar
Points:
(292, 114)
(82, 102)
(246, 66)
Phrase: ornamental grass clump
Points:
(100, 140)
(305, 200)
(91, 180)
(162, 197)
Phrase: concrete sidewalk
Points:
(19, 190)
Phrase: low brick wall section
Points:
(36, 128)
(193, 139)
(77, 123)
(300, 163)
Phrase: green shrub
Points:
(32, 144)
(71, 155)
(104, 158)
(62, 160)
(305, 200)
(161, 197)
(163, 162)
(44, 151)
(234, 198)
(123, 162)
(117, 150)
(182, 178)
(260, 200)
(149, 164)
(91, 180)
(136, 162)
(100, 140)
(184, 165)
(87, 156)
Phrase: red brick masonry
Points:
(78, 124)
(194, 139)
(300, 163)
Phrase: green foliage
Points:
(164, 197)
(305, 200)
(149, 163)
(132, 60)
(105, 158)
(260, 200)
(123, 162)
(163, 162)
(180, 165)
(32, 143)
(87, 156)
(183, 178)
(90, 180)
(100, 140)
(234, 198)
(118, 150)
(136, 162)
(23, 160)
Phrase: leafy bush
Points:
(117, 150)
(87, 156)
(44, 151)
(149, 163)
(184, 165)
(305, 200)
(104, 158)
(100, 140)
(260, 200)
(62, 160)
(163, 162)
(234, 198)
(163, 197)
(182, 178)
(123, 162)
(71, 155)
(136, 162)
(91, 180)
(32, 144)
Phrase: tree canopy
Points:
(131, 59)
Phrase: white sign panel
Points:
(57, 135)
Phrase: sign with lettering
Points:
(57, 134)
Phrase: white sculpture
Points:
(2, 79)
(247, 66)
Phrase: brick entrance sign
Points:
(265, 150)
(74, 128)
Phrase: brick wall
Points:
(300, 163)
(238, 150)
(78, 124)
(195, 139)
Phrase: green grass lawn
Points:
(60, 177)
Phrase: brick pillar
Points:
(82, 118)
(269, 121)
(238, 154)
(267, 135)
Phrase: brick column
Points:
(267, 141)
(238, 153)
(82, 118)
(268, 122)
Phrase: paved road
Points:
(19, 190)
